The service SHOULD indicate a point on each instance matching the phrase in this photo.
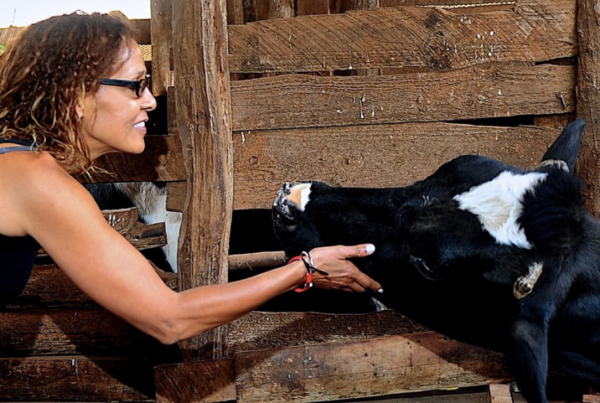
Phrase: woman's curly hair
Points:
(47, 70)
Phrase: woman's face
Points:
(114, 118)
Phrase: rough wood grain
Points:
(162, 46)
(500, 393)
(312, 7)
(376, 367)
(370, 156)
(485, 91)
(464, 7)
(7, 34)
(588, 99)
(205, 381)
(203, 115)
(141, 32)
(49, 287)
(176, 194)
(78, 331)
(431, 37)
(75, 378)
(162, 160)
(269, 330)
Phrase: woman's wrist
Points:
(310, 268)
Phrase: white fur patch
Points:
(151, 201)
(497, 204)
(300, 195)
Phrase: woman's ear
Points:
(79, 110)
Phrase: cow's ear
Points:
(566, 146)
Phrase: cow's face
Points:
(474, 218)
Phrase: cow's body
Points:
(481, 251)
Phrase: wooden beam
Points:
(377, 367)
(273, 330)
(162, 46)
(75, 378)
(588, 99)
(500, 393)
(7, 34)
(141, 32)
(162, 160)
(372, 156)
(90, 331)
(432, 38)
(490, 91)
(205, 381)
(204, 110)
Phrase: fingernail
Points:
(370, 248)
(380, 290)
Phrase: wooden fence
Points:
(351, 92)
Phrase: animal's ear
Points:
(566, 146)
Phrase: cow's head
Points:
(474, 221)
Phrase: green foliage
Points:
(1, 49)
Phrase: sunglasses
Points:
(137, 86)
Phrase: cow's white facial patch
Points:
(300, 195)
(498, 205)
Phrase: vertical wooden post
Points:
(203, 113)
(588, 99)
(162, 45)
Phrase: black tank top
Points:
(17, 254)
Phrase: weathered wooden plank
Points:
(312, 7)
(162, 46)
(205, 381)
(270, 330)
(465, 7)
(7, 34)
(176, 194)
(431, 37)
(203, 115)
(79, 331)
(588, 99)
(281, 9)
(76, 378)
(235, 11)
(370, 156)
(48, 286)
(141, 32)
(162, 160)
(500, 394)
(487, 91)
(377, 367)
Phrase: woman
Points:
(73, 88)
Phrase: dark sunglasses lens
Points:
(145, 83)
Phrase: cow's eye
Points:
(422, 268)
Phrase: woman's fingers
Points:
(342, 273)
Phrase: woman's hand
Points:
(343, 275)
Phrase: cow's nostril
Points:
(283, 214)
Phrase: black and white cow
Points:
(484, 252)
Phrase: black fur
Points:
(437, 264)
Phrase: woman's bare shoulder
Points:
(35, 185)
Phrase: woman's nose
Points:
(148, 100)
